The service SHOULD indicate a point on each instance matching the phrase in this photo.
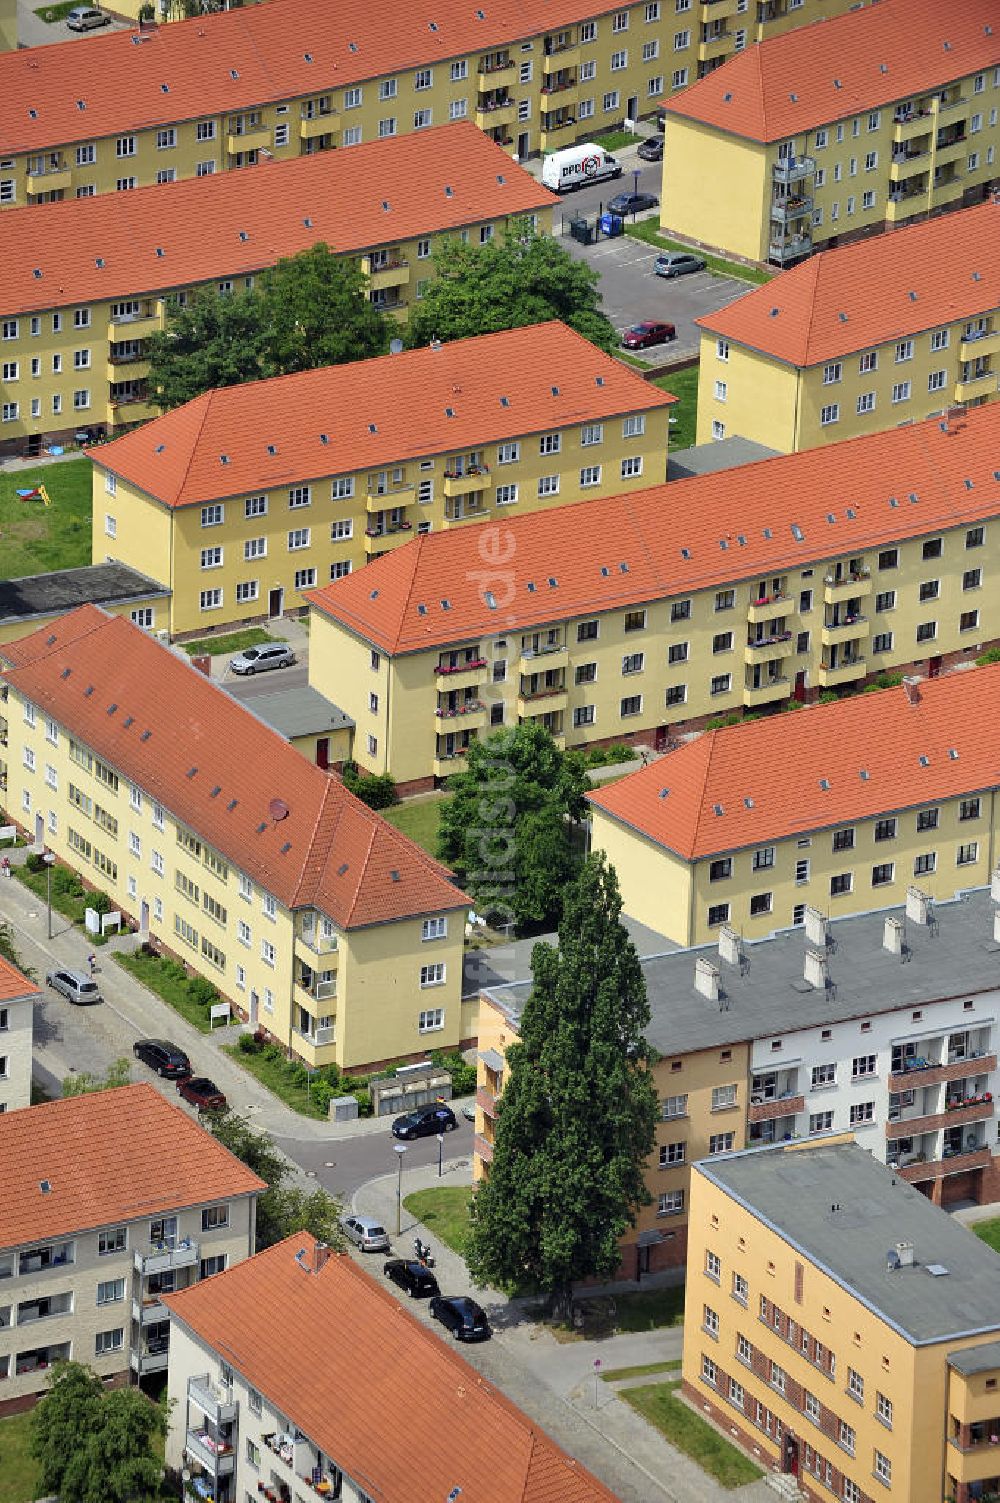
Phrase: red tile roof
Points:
(300, 1337)
(218, 64)
(235, 223)
(860, 295)
(865, 59)
(228, 777)
(108, 1157)
(619, 551)
(829, 765)
(14, 986)
(428, 401)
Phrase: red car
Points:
(202, 1093)
(641, 336)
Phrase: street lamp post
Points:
(49, 859)
(440, 1138)
(400, 1150)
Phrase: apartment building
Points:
(109, 1202)
(226, 90)
(860, 339)
(840, 808)
(820, 1028)
(35, 600)
(391, 448)
(848, 1330)
(312, 915)
(8, 25)
(840, 131)
(83, 287)
(18, 996)
(256, 1356)
(642, 615)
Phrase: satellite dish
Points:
(278, 809)
(395, 346)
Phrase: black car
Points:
(651, 150)
(163, 1057)
(412, 1276)
(424, 1121)
(632, 203)
(463, 1317)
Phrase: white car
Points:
(260, 659)
(365, 1232)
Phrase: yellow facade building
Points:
(315, 918)
(221, 91)
(84, 285)
(840, 808)
(633, 617)
(8, 25)
(859, 339)
(246, 497)
(841, 1328)
(830, 133)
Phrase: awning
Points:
(650, 1238)
(492, 1060)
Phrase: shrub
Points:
(247, 1044)
(829, 697)
(331, 1074)
(377, 791)
(202, 992)
(66, 883)
(322, 1095)
(463, 1076)
(172, 970)
(364, 1100)
(273, 1052)
(991, 655)
(298, 1075)
(100, 902)
(35, 863)
(719, 722)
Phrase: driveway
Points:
(32, 31)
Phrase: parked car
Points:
(163, 1057)
(86, 17)
(412, 1276)
(641, 336)
(424, 1121)
(260, 659)
(469, 1111)
(677, 264)
(651, 150)
(365, 1232)
(202, 1093)
(462, 1316)
(74, 986)
(632, 203)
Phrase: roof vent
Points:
(794, 98)
(824, 783)
(66, 673)
(307, 56)
(842, 317)
(394, 875)
(308, 222)
(797, 532)
(112, 709)
(883, 67)
(433, 25)
(129, 720)
(45, 1186)
(555, 391)
(352, 46)
(718, 810)
(952, 754)
(598, 380)
(501, 179)
(286, 847)
(216, 791)
(234, 73)
(553, 582)
(223, 458)
(448, 191)
(767, 532)
(99, 261)
(446, 605)
(37, 273)
(164, 89)
(385, 205)
(912, 296)
(272, 449)
(937, 1270)
(88, 691)
(372, 427)
(852, 514)
(968, 485)
(159, 448)
(491, 600)
(449, 412)
(864, 774)
(159, 250)
(191, 772)
(837, 84)
(49, 641)
(231, 805)
(32, 114)
(505, 401)
(421, 610)
(663, 793)
(623, 568)
(893, 501)
(605, 571)
(531, 586)
(685, 553)
(727, 98)
(748, 803)
(262, 827)
(924, 760)
(244, 235)
(324, 438)
(145, 735)
(373, 594)
(342, 868)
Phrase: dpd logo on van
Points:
(591, 165)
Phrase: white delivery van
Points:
(578, 165)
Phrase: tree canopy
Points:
(525, 278)
(85, 1083)
(309, 310)
(505, 826)
(283, 1208)
(577, 1118)
(96, 1445)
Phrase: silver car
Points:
(260, 659)
(86, 17)
(365, 1232)
(74, 986)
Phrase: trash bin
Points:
(581, 230)
(612, 224)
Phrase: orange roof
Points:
(885, 52)
(228, 777)
(428, 401)
(829, 765)
(108, 1157)
(214, 65)
(691, 534)
(235, 223)
(891, 286)
(296, 1335)
(14, 986)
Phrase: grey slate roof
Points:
(65, 589)
(976, 1359)
(845, 1211)
(301, 711)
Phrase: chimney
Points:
(911, 688)
(706, 979)
(918, 906)
(892, 936)
(321, 1253)
(816, 969)
(904, 1252)
(730, 945)
(817, 928)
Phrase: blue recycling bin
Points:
(612, 224)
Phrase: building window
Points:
(109, 1341)
(431, 1020)
(761, 903)
(829, 414)
(672, 1153)
(214, 1218)
(721, 1142)
(710, 1322)
(723, 1097)
(670, 1203)
(840, 884)
(862, 1112)
(673, 1106)
(883, 874)
(883, 1409)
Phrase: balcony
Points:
(933, 1074)
(383, 540)
(52, 180)
(249, 140)
(149, 1311)
(793, 169)
(852, 629)
(163, 1255)
(949, 107)
(976, 386)
(768, 1111)
(559, 94)
(948, 191)
(901, 167)
(844, 673)
(316, 1048)
(849, 587)
(958, 1163)
(319, 941)
(950, 151)
(790, 249)
(559, 58)
(458, 515)
(717, 45)
(542, 702)
(978, 346)
(909, 1127)
(471, 482)
(546, 658)
(471, 716)
(492, 117)
(217, 1404)
(902, 206)
(138, 325)
(447, 766)
(383, 275)
(555, 137)
(40, 1359)
(153, 1360)
(909, 127)
(462, 676)
(768, 649)
(786, 210)
(482, 1148)
(216, 1456)
(486, 1101)
(719, 9)
(318, 125)
(768, 608)
(128, 368)
(492, 78)
(766, 694)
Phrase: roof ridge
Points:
(206, 398)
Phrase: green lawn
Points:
(659, 1404)
(64, 902)
(614, 140)
(444, 1211)
(18, 1471)
(616, 1374)
(160, 976)
(34, 538)
(418, 818)
(683, 385)
(273, 1074)
(57, 12)
(234, 641)
(649, 1308)
(988, 1232)
(649, 230)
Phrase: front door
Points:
(522, 145)
(39, 832)
(633, 107)
(144, 922)
(641, 1261)
(254, 1002)
(275, 602)
(933, 667)
(790, 1455)
(323, 752)
(800, 686)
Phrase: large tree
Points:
(525, 278)
(309, 310)
(94, 1445)
(577, 1117)
(506, 825)
(283, 1208)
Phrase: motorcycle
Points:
(423, 1252)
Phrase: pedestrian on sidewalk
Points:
(92, 962)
